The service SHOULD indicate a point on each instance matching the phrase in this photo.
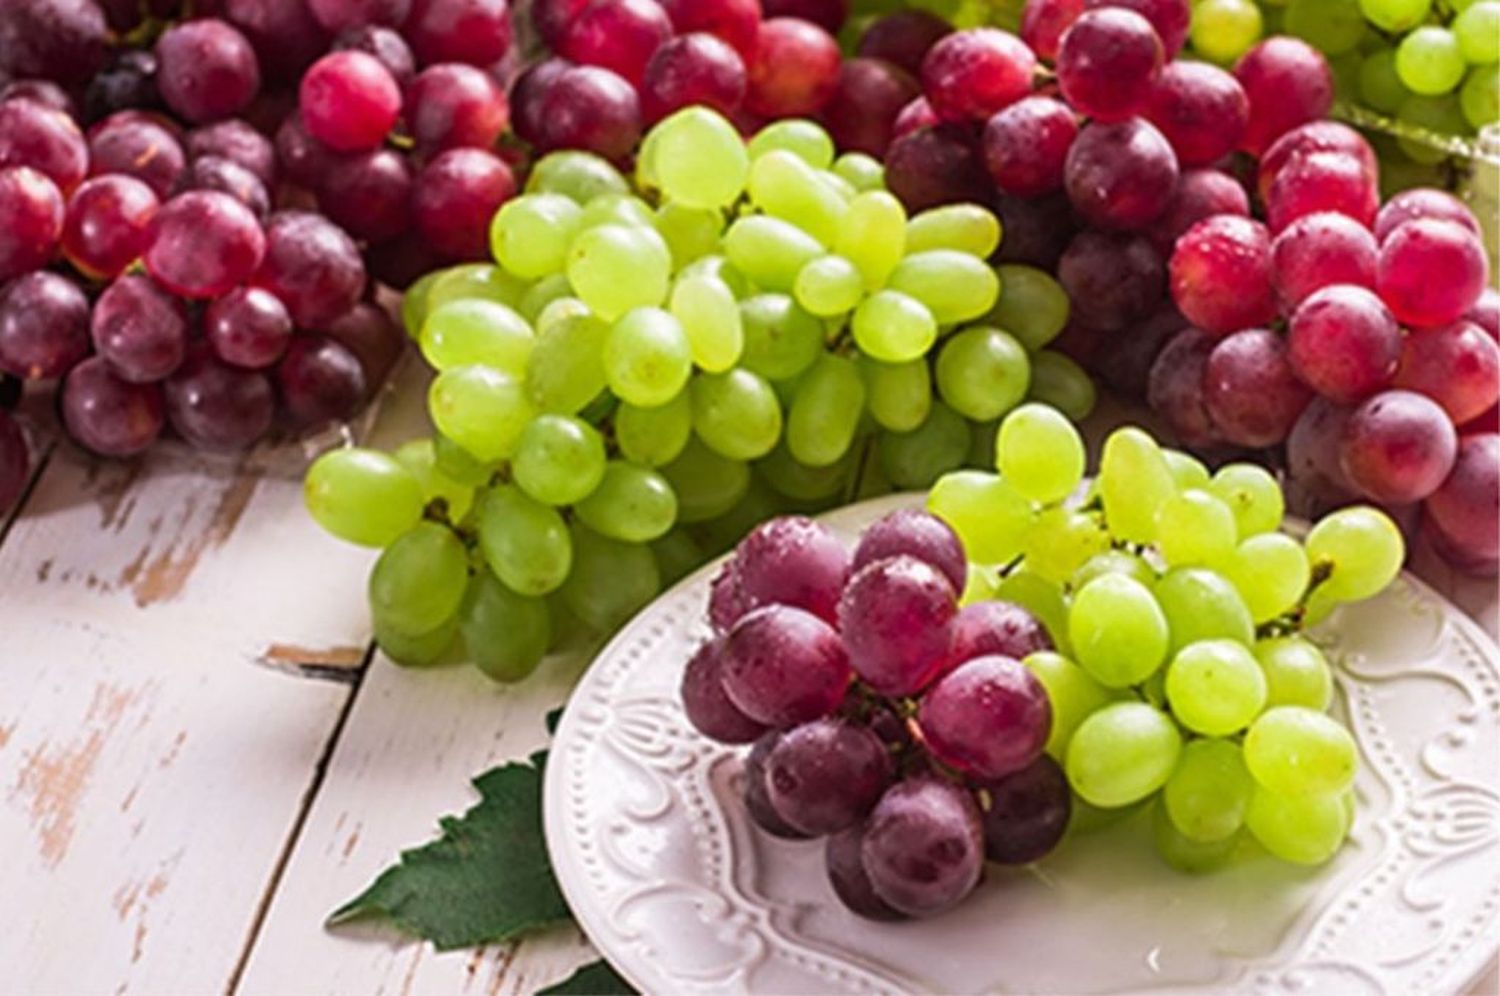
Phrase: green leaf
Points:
(596, 979)
(486, 879)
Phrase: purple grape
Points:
(1026, 145)
(1175, 388)
(1113, 280)
(139, 329)
(313, 266)
(988, 717)
(1312, 452)
(783, 666)
(986, 629)
(302, 158)
(368, 194)
(62, 40)
(137, 145)
(385, 44)
(757, 796)
(1037, 229)
(337, 15)
(861, 114)
(1200, 193)
(897, 619)
(107, 415)
(529, 93)
(215, 173)
(824, 776)
(792, 560)
(1127, 366)
(917, 534)
(1108, 63)
(903, 38)
(217, 407)
(44, 325)
(207, 69)
(367, 331)
(203, 243)
(1398, 447)
(286, 38)
(590, 108)
(1344, 342)
(34, 218)
(472, 31)
(236, 141)
(708, 707)
(47, 140)
(695, 68)
(1120, 176)
(319, 381)
(248, 327)
(450, 106)
(455, 196)
(935, 166)
(43, 92)
(726, 603)
(1027, 813)
(843, 857)
(15, 461)
(1252, 394)
(923, 847)
(1319, 250)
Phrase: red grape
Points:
(456, 195)
(15, 461)
(349, 101)
(1027, 813)
(986, 629)
(936, 166)
(1121, 175)
(897, 619)
(248, 327)
(1175, 387)
(452, 105)
(1431, 271)
(302, 158)
(336, 15)
(107, 415)
(284, 34)
(368, 195)
(384, 44)
(319, 381)
(620, 35)
(203, 243)
(472, 31)
(903, 38)
(706, 705)
(1316, 136)
(726, 603)
(1464, 511)
(214, 173)
(1288, 83)
(917, 114)
(917, 534)
(138, 146)
(367, 331)
(1486, 312)
(1201, 109)
(1108, 63)
(1458, 366)
(1113, 280)
(1221, 275)
(207, 70)
(1398, 447)
(312, 266)
(1037, 229)
(969, 75)
(217, 407)
(734, 21)
(1312, 451)
(923, 846)
(758, 797)
(44, 92)
(62, 40)
(1319, 250)
(861, 114)
(695, 68)
(528, 94)
(552, 17)
(824, 776)
(1322, 181)
(34, 218)
(593, 109)
(140, 330)
(1027, 143)
(829, 15)
(1169, 18)
(1344, 343)
(1043, 23)
(1252, 394)
(794, 71)
(1423, 202)
(1200, 194)
(238, 142)
(47, 140)
(792, 560)
(1127, 366)
(851, 883)
(44, 325)
(783, 666)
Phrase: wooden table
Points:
(200, 757)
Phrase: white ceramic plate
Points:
(664, 871)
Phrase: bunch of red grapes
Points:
(904, 729)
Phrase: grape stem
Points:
(1291, 621)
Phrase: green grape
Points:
(982, 372)
(1058, 381)
(647, 357)
(530, 234)
(631, 503)
(1073, 694)
(829, 286)
(1333, 27)
(579, 175)
(559, 310)
(736, 414)
(1201, 604)
(980, 585)
(719, 268)
(988, 515)
(1253, 496)
(1195, 527)
(474, 330)
(1215, 687)
(806, 138)
(645, 175)
(756, 505)
(1442, 115)
(1187, 470)
(1122, 753)
(1087, 818)
(781, 340)
(1363, 549)
(1061, 541)
(615, 268)
(1297, 673)
(1395, 16)
(1042, 599)
(1040, 453)
(966, 228)
(691, 233)
(1477, 29)
(474, 280)
(893, 328)
(785, 187)
(677, 555)
(419, 456)
(1380, 85)
(1480, 96)
(1032, 305)
(567, 369)
(1293, 750)
(710, 317)
(559, 460)
(984, 437)
(618, 209)
(1303, 829)
(362, 496)
(860, 171)
(699, 159)
(455, 462)
(419, 580)
(1114, 562)
(414, 302)
(428, 649)
(916, 459)
(480, 409)
(1134, 482)
(610, 581)
(1223, 30)
(525, 542)
(826, 412)
(654, 437)
(769, 251)
(796, 480)
(1118, 631)
(1345, 71)
(706, 484)
(1184, 855)
(899, 394)
(1429, 61)
(846, 190)
(542, 295)
(1209, 791)
(1271, 573)
(507, 634)
(953, 285)
(873, 237)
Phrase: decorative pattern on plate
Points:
(665, 873)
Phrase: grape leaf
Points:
(594, 979)
(486, 879)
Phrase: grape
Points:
(481, 409)
(828, 286)
(44, 325)
(1461, 513)
(1199, 604)
(736, 414)
(969, 75)
(506, 635)
(824, 776)
(1073, 695)
(806, 138)
(203, 243)
(757, 795)
(1310, 138)
(1296, 751)
(1222, 30)
(966, 228)
(139, 330)
(1250, 390)
(419, 581)
(691, 233)
(1120, 175)
(1319, 250)
(286, 38)
(319, 381)
(312, 266)
(1362, 546)
(903, 38)
(1423, 202)
(1200, 109)
(1252, 494)
(1182, 853)
(1333, 27)
(1430, 61)
(873, 236)
(615, 269)
(1108, 62)
(1430, 271)
(1122, 753)
(706, 484)
(1061, 540)
(1040, 454)
(1458, 366)
(137, 146)
(783, 666)
(592, 109)
(1476, 27)
(107, 415)
(1486, 312)
(475, 330)
(631, 503)
(528, 94)
(620, 35)
(1221, 275)
(1380, 86)
(43, 138)
(35, 220)
(896, 615)
(56, 39)
(917, 115)
(1395, 16)
(935, 166)
(1175, 386)
(851, 883)
(982, 372)
(1440, 115)
(1134, 481)
(647, 358)
(899, 395)
(696, 68)
(337, 15)
(792, 561)
(1398, 447)
(954, 286)
(861, 114)
(362, 496)
(1026, 813)
(1033, 306)
(1189, 472)
(785, 187)
(473, 31)
(916, 534)
(1027, 143)
(1215, 688)
(1344, 343)
(44, 92)
(525, 542)
(988, 718)
(1200, 194)
(1479, 98)
(213, 173)
(1304, 829)
(923, 846)
(530, 234)
(1297, 673)
(1322, 181)
(1112, 280)
(794, 69)
(1288, 83)
(129, 81)
(206, 70)
(384, 44)
(1114, 562)
(217, 407)
(654, 436)
(559, 460)
(452, 105)
(455, 196)
(824, 416)
(1195, 527)
(706, 705)
(1117, 630)
(1209, 792)
(419, 457)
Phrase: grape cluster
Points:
(771, 326)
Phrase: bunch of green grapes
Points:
(652, 368)
(1177, 608)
